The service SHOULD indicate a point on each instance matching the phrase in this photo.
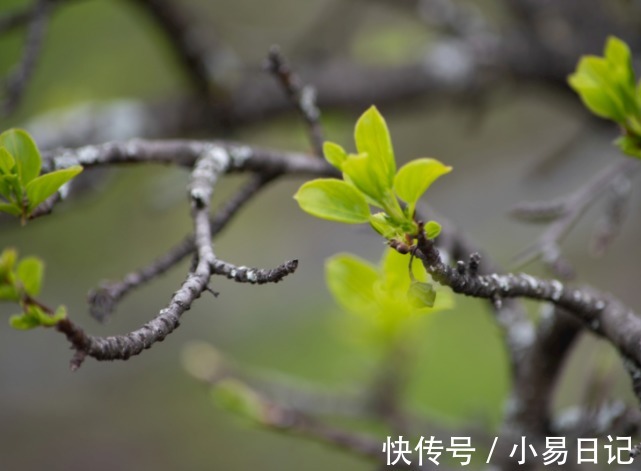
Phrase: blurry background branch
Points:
(470, 58)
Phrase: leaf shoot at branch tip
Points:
(21, 185)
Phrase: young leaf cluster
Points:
(21, 186)
(20, 282)
(369, 179)
(385, 295)
(607, 86)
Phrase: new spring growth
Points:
(608, 88)
(20, 282)
(22, 188)
(370, 179)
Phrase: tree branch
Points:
(184, 153)
(207, 168)
(196, 57)
(104, 299)
(16, 82)
(302, 96)
(564, 213)
(600, 313)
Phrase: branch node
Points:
(210, 289)
(473, 265)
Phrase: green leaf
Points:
(383, 224)
(598, 91)
(15, 187)
(350, 280)
(637, 94)
(23, 322)
(30, 271)
(34, 316)
(237, 397)
(629, 145)
(618, 55)
(10, 209)
(5, 188)
(46, 185)
(9, 293)
(8, 260)
(432, 229)
(372, 138)
(599, 102)
(7, 162)
(396, 271)
(47, 320)
(606, 84)
(415, 177)
(334, 154)
(364, 175)
(334, 200)
(421, 294)
(21, 146)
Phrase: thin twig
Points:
(301, 95)
(207, 364)
(205, 173)
(259, 276)
(275, 416)
(104, 299)
(617, 211)
(196, 57)
(20, 17)
(16, 19)
(565, 213)
(16, 82)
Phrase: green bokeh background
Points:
(147, 413)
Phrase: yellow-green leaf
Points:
(334, 154)
(7, 162)
(618, 55)
(350, 279)
(365, 175)
(25, 152)
(238, 398)
(421, 294)
(10, 209)
(23, 322)
(334, 200)
(46, 185)
(30, 272)
(383, 224)
(372, 138)
(415, 177)
(432, 229)
(51, 320)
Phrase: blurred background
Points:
(508, 140)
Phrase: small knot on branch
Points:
(102, 302)
(209, 289)
(400, 247)
(77, 359)
(78, 340)
(276, 63)
(473, 264)
(497, 301)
